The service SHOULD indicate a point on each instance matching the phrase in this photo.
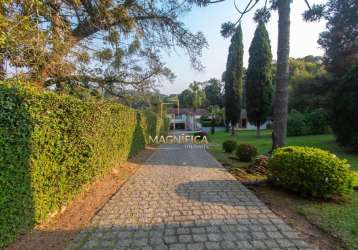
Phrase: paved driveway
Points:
(182, 198)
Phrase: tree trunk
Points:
(281, 93)
(194, 120)
(2, 69)
(258, 125)
(213, 126)
(232, 129)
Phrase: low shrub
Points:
(246, 152)
(52, 145)
(317, 122)
(311, 171)
(296, 124)
(229, 146)
(314, 122)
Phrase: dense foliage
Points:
(229, 146)
(314, 122)
(213, 93)
(259, 78)
(311, 171)
(340, 39)
(246, 152)
(197, 95)
(115, 44)
(216, 116)
(52, 145)
(233, 77)
(308, 84)
(296, 124)
(340, 44)
(318, 122)
(344, 110)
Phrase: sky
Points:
(303, 40)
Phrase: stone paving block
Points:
(198, 205)
(196, 246)
(213, 245)
(200, 238)
(228, 245)
(177, 247)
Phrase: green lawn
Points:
(339, 219)
(263, 143)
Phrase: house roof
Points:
(187, 111)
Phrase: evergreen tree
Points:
(341, 61)
(213, 92)
(280, 104)
(339, 41)
(233, 79)
(259, 78)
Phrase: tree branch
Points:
(308, 5)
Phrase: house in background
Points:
(186, 119)
(245, 124)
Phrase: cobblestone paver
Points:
(184, 199)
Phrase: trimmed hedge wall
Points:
(52, 145)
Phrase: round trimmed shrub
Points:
(229, 146)
(311, 171)
(246, 152)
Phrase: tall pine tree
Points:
(233, 79)
(259, 78)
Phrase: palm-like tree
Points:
(215, 113)
(198, 97)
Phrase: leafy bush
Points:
(344, 110)
(296, 124)
(317, 122)
(311, 171)
(246, 152)
(229, 146)
(309, 123)
(52, 145)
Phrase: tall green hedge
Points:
(51, 145)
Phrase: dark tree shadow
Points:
(16, 201)
(138, 142)
(227, 192)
